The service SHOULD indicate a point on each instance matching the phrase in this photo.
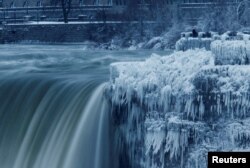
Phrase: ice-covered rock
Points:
(186, 34)
(155, 125)
(191, 43)
(243, 36)
(159, 82)
(240, 133)
(170, 111)
(231, 52)
(224, 90)
(205, 39)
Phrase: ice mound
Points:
(170, 111)
(187, 43)
(231, 52)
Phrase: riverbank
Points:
(101, 35)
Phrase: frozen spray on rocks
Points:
(170, 111)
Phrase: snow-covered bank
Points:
(174, 109)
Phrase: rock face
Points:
(168, 112)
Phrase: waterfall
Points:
(92, 151)
(52, 110)
(53, 123)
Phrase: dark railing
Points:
(90, 12)
(51, 13)
(85, 7)
(205, 5)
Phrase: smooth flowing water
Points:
(52, 110)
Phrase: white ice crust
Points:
(199, 105)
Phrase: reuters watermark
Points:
(228, 159)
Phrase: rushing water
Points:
(52, 112)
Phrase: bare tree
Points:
(66, 8)
(243, 12)
(220, 16)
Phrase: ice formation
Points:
(187, 43)
(231, 52)
(234, 41)
(240, 133)
(160, 82)
(170, 111)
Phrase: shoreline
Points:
(105, 35)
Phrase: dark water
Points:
(52, 112)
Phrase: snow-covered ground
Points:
(188, 102)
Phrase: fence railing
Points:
(51, 13)
(88, 12)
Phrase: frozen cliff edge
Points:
(170, 111)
